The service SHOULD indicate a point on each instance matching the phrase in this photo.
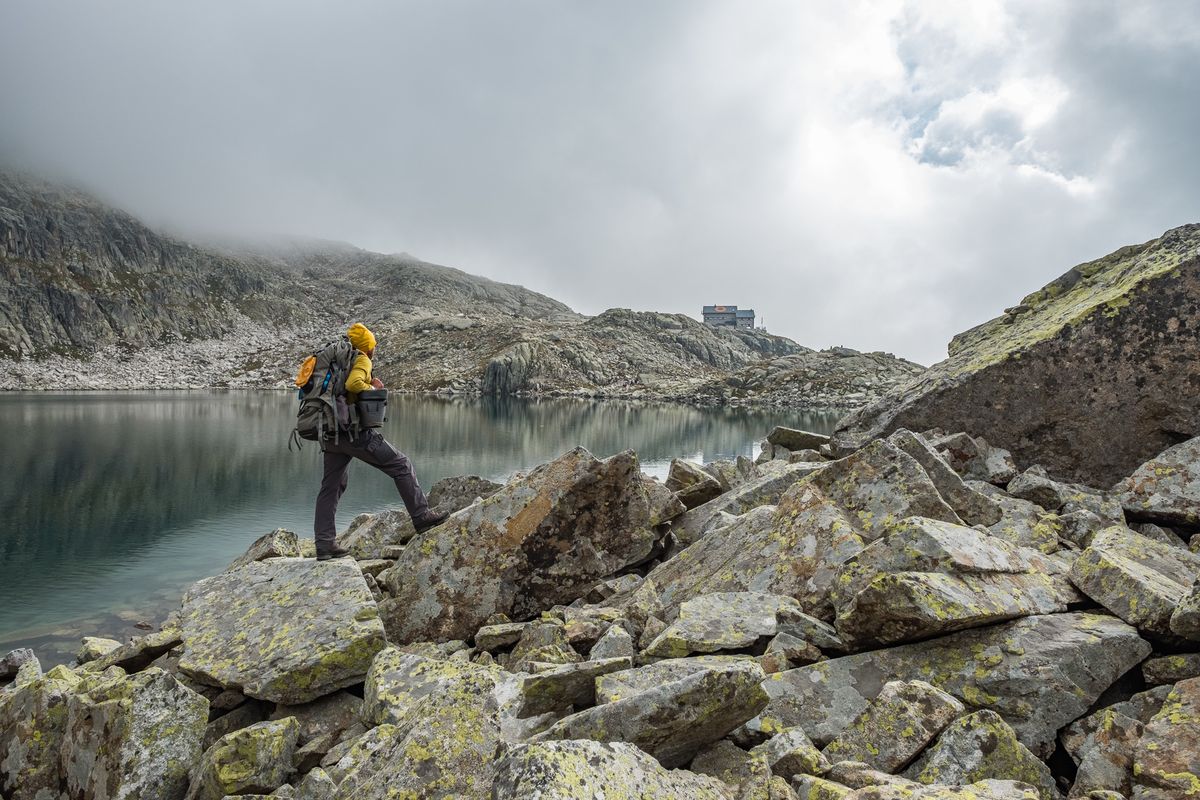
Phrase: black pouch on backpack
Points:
(372, 408)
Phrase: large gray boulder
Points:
(590, 770)
(931, 578)
(288, 630)
(1167, 487)
(673, 720)
(540, 541)
(1131, 317)
(129, 737)
(1039, 673)
(253, 760)
(33, 726)
(1138, 579)
(691, 483)
(1167, 757)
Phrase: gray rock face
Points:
(721, 621)
(279, 543)
(761, 490)
(673, 720)
(692, 484)
(972, 506)
(1185, 619)
(570, 685)
(795, 439)
(14, 661)
(977, 747)
(33, 717)
(1106, 763)
(257, 759)
(1167, 487)
(974, 459)
(897, 725)
(285, 630)
(614, 643)
(589, 770)
(1122, 316)
(1138, 579)
(132, 737)
(628, 683)
(539, 542)
(1038, 673)
(932, 578)
(1167, 757)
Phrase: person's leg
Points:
(333, 484)
(376, 451)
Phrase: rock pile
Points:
(917, 619)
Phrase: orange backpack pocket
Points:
(306, 371)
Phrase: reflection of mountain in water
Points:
(122, 497)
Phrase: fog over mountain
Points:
(881, 174)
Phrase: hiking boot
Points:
(431, 519)
(336, 552)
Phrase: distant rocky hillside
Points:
(93, 299)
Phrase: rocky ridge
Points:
(920, 618)
(93, 299)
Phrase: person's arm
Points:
(359, 379)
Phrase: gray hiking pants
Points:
(373, 449)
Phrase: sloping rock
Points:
(589, 770)
(1167, 758)
(628, 683)
(980, 790)
(1081, 735)
(720, 621)
(791, 752)
(974, 459)
(33, 718)
(1039, 673)
(279, 543)
(977, 747)
(316, 785)
(566, 686)
(931, 578)
(1016, 379)
(257, 759)
(1167, 487)
(614, 643)
(795, 439)
(902, 719)
(500, 635)
(286, 630)
(538, 542)
(1185, 619)
(16, 660)
(692, 484)
(132, 737)
(1138, 579)
(1024, 523)
(326, 717)
(972, 506)
(138, 653)
(92, 647)
(544, 641)
(673, 721)
(1164, 670)
(763, 490)
(725, 761)
(1107, 763)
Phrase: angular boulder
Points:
(1166, 488)
(1016, 380)
(1038, 673)
(573, 770)
(761, 490)
(567, 686)
(980, 790)
(974, 507)
(720, 621)
(33, 719)
(931, 578)
(257, 759)
(902, 719)
(538, 542)
(974, 459)
(691, 483)
(1140, 580)
(132, 736)
(1106, 764)
(1167, 757)
(674, 720)
(287, 630)
(628, 683)
(279, 543)
(1185, 619)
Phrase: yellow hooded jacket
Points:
(359, 379)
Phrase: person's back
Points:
(369, 446)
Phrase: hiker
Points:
(366, 445)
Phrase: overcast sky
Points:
(878, 174)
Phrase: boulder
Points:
(544, 641)
(724, 760)
(974, 459)
(316, 785)
(795, 439)
(577, 770)
(1024, 523)
(257, 759)
(286, 630)
(981, 746)
(138, 653)
(980, 790)
(975, 508)
(897, 725)
(92, 647)
(614, 643)
(1166, 488)
(499, 636)
(14, 661)
(1185, 619)
(674, 720)
(763, 490)
(1017, 381)
(563, 687)
(324, 719)
(930, 578)
(1166, 762)
(1163, 670)
(720, 621)
(691, 483)
(791, 752)
(279, 543)
(1106, 764)
(1138, 579)
(132, 736)
(1081, 735)
(628, 683)
(33, 727)
(1039, 673)
(810, 787)
(538, 542)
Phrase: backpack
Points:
(321, 382)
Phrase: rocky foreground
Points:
(920, 618)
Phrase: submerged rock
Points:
(538, 542)
(1129, 317)
(590, 770)
(286, 630)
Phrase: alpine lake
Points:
(112, 503)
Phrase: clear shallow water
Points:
(112, 503)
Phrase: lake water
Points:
(112, 503)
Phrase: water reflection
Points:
(116, 501)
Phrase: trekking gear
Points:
(323, 409)
(372, 408)
(336, 552)
(430, 520)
